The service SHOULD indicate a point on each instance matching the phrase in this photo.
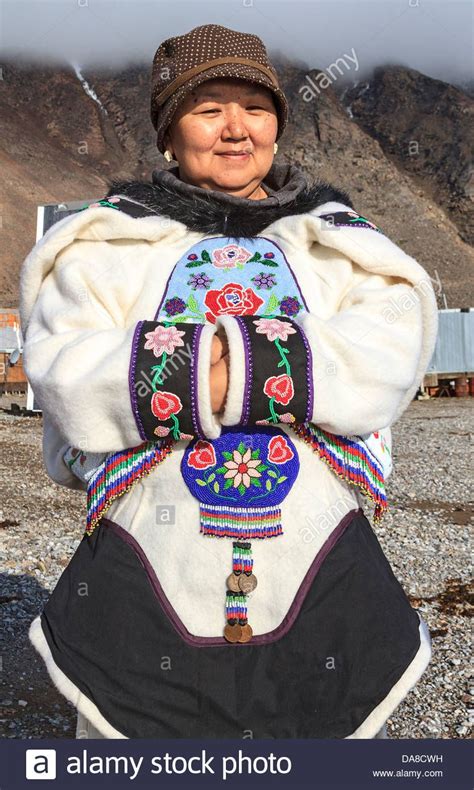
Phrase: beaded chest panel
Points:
(218, 276)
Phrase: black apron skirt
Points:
(116, 637)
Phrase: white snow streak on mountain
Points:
(87, 88)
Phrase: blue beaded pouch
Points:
(240, 479)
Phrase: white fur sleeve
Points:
(77, 360)
(54, 448)
(89, 364)
(365, 358)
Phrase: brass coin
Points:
(246, 634)
(247, 583)
(232, 632)
(233, 582)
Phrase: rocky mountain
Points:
(66, 133)
(425, 127)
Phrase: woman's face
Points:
(220, 116)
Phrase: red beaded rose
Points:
(164, 404)
(279, 387)
(232, 299)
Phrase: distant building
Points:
(454, 350)
(12, 375)
(451, 367)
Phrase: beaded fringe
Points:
(225, 521)
(350, 460)
(118, 473)
(347, 458)
(236, 607)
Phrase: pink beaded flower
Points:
(164, 339)
(229, 256)
(273, 328)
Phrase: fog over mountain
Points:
(432, 36)
(374, 110)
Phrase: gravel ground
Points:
(425, 537)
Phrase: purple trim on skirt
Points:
(131, 380)
(248, 371)
(260, 639)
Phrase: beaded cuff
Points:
(278, 371)
(164, 379)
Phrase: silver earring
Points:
(168, 155)
(275, 148)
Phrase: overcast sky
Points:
(433, 36)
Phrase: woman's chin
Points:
(233, 181)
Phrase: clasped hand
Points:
(219, 370)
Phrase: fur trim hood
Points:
(213, 212)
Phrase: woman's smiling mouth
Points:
(237, 155)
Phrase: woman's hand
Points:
(219, 373)
(219, 346)
(219, 383)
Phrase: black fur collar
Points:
(211, 212)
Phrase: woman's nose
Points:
(235, 126)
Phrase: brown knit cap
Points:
(183, 62)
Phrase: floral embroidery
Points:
(273, 328)
(193, 259)
(203, 455)
(165, 404)
(287, 417)
(163, 339)
(243, 468)
(229, 256)
(263, 280)
(232, 256)
(359, 218)
(200, 280)
(232, 299)
(348, 219)
(279, 388)
(103, 202)
(240, 492)
(279, 450)
(271, 308)
(199, 295)
(177, 307)
(265, 259)
(76, 455)
(290, 306)
(161, 431)
(383, 442)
